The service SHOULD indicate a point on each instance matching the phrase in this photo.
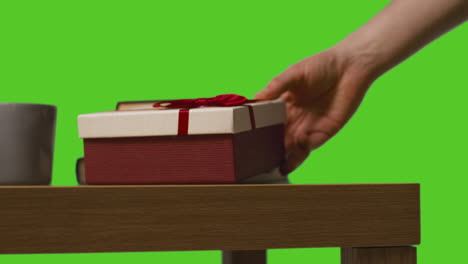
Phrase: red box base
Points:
(193, 159)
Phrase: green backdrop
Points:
(84, 56)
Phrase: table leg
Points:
(245, 257)
(382, 255)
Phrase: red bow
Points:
(220, 100)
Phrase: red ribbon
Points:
(224, 100)
(220, 100)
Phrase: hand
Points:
(321, 92)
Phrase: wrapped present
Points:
(224, 139)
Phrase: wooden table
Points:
(372, 223)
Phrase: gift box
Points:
(225, 139)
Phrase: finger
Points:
(280, 84)
(290, 129)
(293, 159)
(297, 152)
(287, 97)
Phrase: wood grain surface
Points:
(245, 257)
(206, 217)
(384, 255)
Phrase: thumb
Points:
(280, 84)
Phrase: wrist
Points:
(361, 57)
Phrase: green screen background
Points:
(84, 56)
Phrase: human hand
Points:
(321, 92)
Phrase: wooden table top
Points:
(49, 219)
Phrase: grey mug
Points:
(27, 133)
